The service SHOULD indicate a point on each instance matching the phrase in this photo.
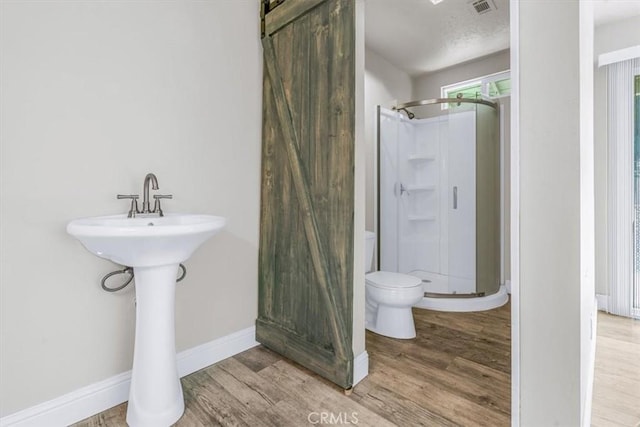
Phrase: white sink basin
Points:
(154, 246)
(145, 241)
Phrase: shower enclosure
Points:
(439, 200)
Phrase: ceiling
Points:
(420, 37)
(607, 11)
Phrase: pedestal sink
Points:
(154, 246)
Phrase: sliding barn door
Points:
(306, 230)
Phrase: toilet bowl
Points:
(389, 298)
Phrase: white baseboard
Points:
(95, 398)
(603, 302)
(196, 358)
(586, 416)
(360, 367)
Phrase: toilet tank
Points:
(369, 246)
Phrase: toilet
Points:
(389, 298)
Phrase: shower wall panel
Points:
(420, 174)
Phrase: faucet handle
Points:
(156, 206)
(134, 204)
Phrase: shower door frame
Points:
(376, 192)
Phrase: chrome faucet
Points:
(146, 206)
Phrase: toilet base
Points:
(393, 322)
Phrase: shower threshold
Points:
(456, 295)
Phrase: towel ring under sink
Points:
(129, 270)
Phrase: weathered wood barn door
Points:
(307, 206)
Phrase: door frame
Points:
(514, 209)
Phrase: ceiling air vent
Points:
(483, 6)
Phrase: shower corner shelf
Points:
(420, 157)
(421, 217)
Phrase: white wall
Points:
(94, 96)
(556, 212)
(614, 36)
(384, 85)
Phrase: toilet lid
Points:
(387, 279)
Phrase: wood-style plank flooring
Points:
(616, 388)
(457, 372)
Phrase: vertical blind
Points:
(621, 209)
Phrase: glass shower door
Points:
(388, 190)
(460, 147)
(487, 200)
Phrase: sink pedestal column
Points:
(155, 397)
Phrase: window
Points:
(492, 86)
